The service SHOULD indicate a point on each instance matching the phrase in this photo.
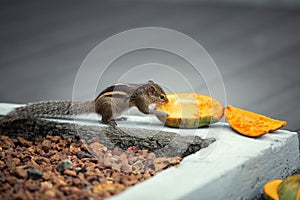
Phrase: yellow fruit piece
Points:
(270, 190)
(190, 110)
(249, 123)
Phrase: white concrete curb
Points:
(234, 167)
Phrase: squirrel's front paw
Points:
(159, 113)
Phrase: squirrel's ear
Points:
(151, 89)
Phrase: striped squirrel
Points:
(110, 103)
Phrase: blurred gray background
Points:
(255, 44)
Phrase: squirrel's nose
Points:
(166, 100)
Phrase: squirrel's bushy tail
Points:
(51, 109)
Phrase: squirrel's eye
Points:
(162, 96)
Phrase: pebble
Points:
(70, 172)
(26, 143)
(20, 172)
(64, 164)
(34, 174)
(82, 154)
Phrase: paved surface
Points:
(257, 49)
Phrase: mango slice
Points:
(270, 190)
(251, 124)
(190, 110)
(287, 189)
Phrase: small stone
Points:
(81, 177)
(5, 186)
(47, 185)
(16, 160)
(34, 174)
(70, 172)
(126, 168)
(31, 149)
(6, 142)
(74, 148)
(47, 175)
(151, 156)
(1, 162)
(46, 145)
(55, 157)
(12, 180)
(54, 139)
(50, 193)
(116, 151)
(31, 185)
(146, 175)
(24, 142)
(20, 172)
(76, 181)
(82, 154)
(64, 164)
(98, 147)
(132, 149)
(137, 166)
(98, 189)
(86, 183)
(59, 181)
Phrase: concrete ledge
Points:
(234, 167)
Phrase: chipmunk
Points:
(110, 103)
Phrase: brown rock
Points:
(54, 139)
(97, 147)
(151, 156)
(46, 145)
(24, 142)
(12, 180)
(116, 151)
(47, 176)
(20, 172)
(70, 172)
(46, 185)
(126, 168)
(55, 157)
(146, 175)
(31, 149)
(31, 185)
(77, 181)
(59, 181)
(4, 186)
(137, 166)
(50, 193)
(98, 189)
(39, 160)
(74, 148)
(6, 142)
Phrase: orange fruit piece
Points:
(190, 110)
(251, 124)
(270, 190)
(287, 189)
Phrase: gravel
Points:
(55, 168)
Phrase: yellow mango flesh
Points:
(249, 123)
(190, 110)
(270, 190)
